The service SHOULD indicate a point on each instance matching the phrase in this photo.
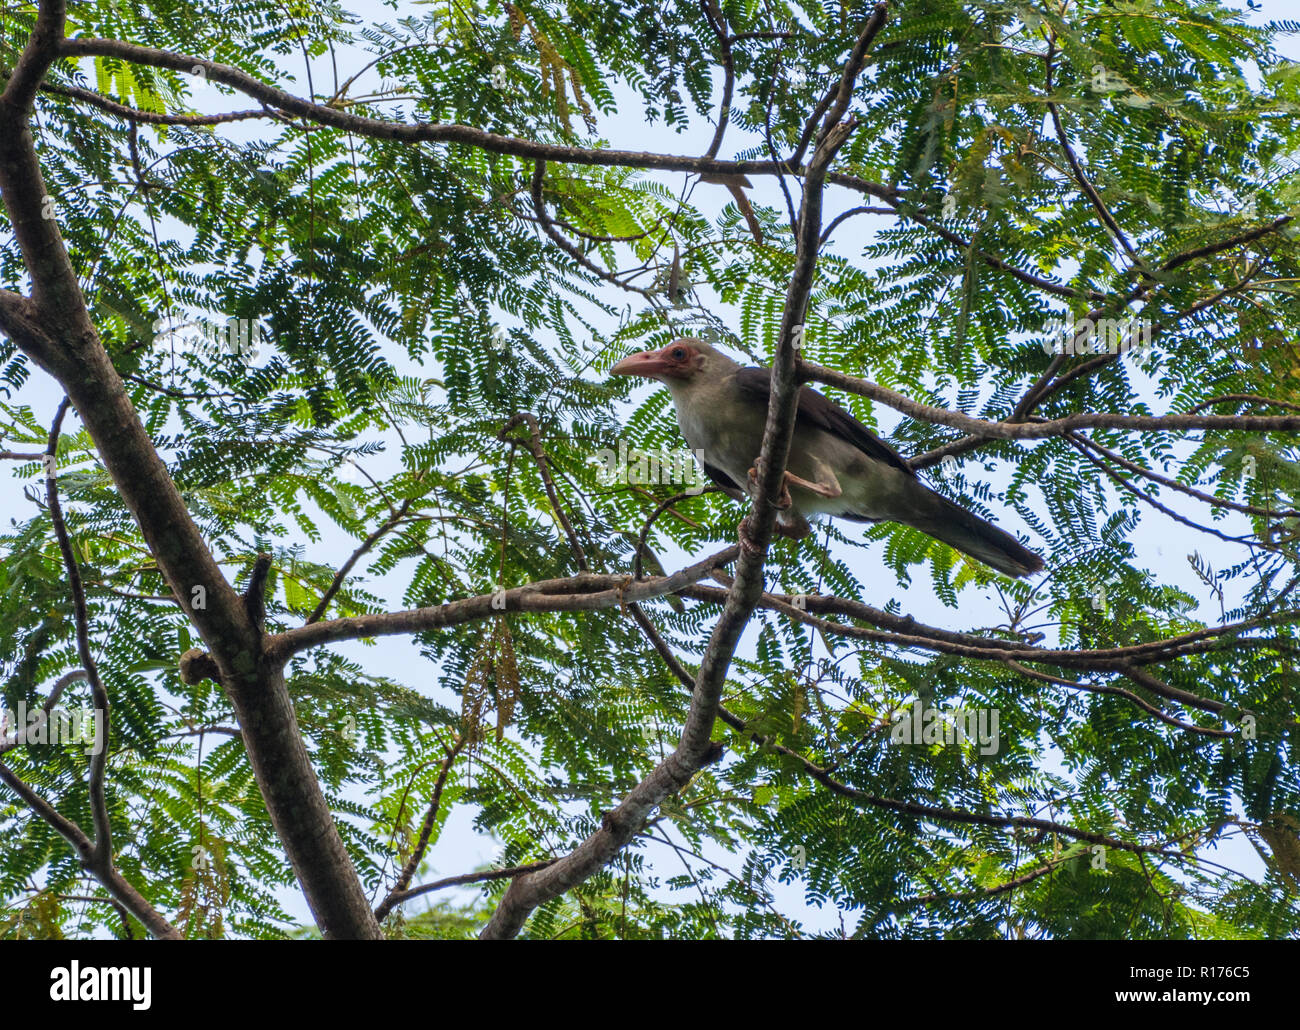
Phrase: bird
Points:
(836, 466)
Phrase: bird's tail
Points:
(940, 518)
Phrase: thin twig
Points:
(399, 891)
(544, 468)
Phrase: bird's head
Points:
(683, 361)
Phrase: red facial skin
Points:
(676, 361)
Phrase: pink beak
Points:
(648, 363)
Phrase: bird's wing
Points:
(729, 485)
(825, 414)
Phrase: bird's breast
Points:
(728, 430)
(728, 434)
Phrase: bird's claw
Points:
(784, 500)
(747, 545)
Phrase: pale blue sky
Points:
(1161, 543)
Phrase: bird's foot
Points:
(829, 489)
(783, 502)
(747, 544)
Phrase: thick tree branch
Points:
(69, 348)
(695, 749)
(41, 51)
(574, 594)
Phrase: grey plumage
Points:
(837, 466)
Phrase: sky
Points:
(1162, 545)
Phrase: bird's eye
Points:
(679, 353)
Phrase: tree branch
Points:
(587, 592)
(1173, 484)
(467, 878)
(907, 632)
(548, 227)
(430, 132)
(695, 749)
(399, 891)
(531, 150)
(21, 322)
(1046, 385)
(544, 469)
(1089, 190)
(69, 348)
(103, 848)
(1041, 429)
(135, 114)
(41, 51)
(356, 555)
(717, 22)
(826, 779)
(56, 691)
(107, 874)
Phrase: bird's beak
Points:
(648, 363)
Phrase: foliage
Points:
(411, 305)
